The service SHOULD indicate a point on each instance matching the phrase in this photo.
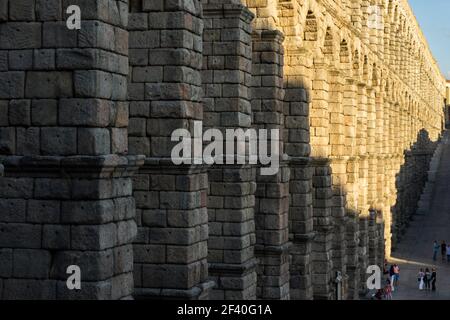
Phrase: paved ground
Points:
(415, 250)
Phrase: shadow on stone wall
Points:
(410, 182)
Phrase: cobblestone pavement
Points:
(415, 250)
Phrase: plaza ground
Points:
(415, 251)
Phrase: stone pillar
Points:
(338, 211)
(297, 103)
(301, 229)
(323, 226)
(66, 198)
(226, 83)
(373, 240)
(339, 176)
(272, 193)
(352, 230)
(165, 95)
(352, 169)
(322, 192)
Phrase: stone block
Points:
(121, 114)
(140, 109)
(3, 10)
(93, 84)
(87, 212)
(58, 141)
(6, 267)
(94, 141)
(12, 85)
(126, 232)
(45, 188)
(31, 263)
(125, 206)
(16, 188)
(94, 237)
(85, 112)
(3, 60)
(7, 140)
(123, 259)
(20, 59)
(55, 237)
(92, 189)
(119, 141)
(44, 59)
(13, 210)
(119, 87)
(152, 5)
(96, 34)
(144, 39)
(49, 85)
(122, 286)
(19, 235)
(139, 57)
(22, 10)
(44, 112)
(18, 35)
(28, 143)
(29, 289)
(20, 113)
(48, 10)
(171, 276)
(138, 21)
(148, 74)
(150, 253)
(43, 211)
(57, 35)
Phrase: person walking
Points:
(388, 290)
(448, 253)
(436, 247)
(392, 277)
(396, 275)
(443, 250)
(420, 278)
(427, 279)
(433, 279)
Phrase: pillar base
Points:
(234, 282)
(80, 212)
(201, 291)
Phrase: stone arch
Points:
(311, 30)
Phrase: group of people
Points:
(427, 279)
(445, 251)
(391, 283)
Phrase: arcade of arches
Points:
(86, 118)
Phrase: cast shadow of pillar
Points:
(410, 183)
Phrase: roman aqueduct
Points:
(86, 118)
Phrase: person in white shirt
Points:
(420, 279)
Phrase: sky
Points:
(434, 19)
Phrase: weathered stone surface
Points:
(359, 116)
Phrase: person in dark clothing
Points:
(427, 279)
(443, 250)
(385, 266)
(433, 280)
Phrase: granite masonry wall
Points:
(86, 123)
